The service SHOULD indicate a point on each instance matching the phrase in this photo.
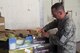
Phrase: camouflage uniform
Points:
(64, 38)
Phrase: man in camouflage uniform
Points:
(64, 38)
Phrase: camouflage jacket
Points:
(65, 37)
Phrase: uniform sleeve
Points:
(67, 33)
(51, 25)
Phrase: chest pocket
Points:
(61, 26)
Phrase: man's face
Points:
(57, 14)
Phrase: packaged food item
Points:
(28, 39)
(29, 50)
(20, 41)
(21, 35)
(11, 35)
(38, 40)
(42, 48)
(12, 43)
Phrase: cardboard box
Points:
(2, 24)
(3, 37)
(2, 20)
(17, 32)
(2, 28)
(24, 32)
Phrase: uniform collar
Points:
(64, 19)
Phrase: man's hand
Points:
(43, 33)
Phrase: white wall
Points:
(47, 10)
(20, 14)
(74, 5)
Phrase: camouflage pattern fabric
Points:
(65, 37)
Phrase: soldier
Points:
(64, 38)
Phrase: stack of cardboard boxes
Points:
(2, 23)
(2, 29)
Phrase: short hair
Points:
(57, 6)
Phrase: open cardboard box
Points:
(24, 32)
(4, 34)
